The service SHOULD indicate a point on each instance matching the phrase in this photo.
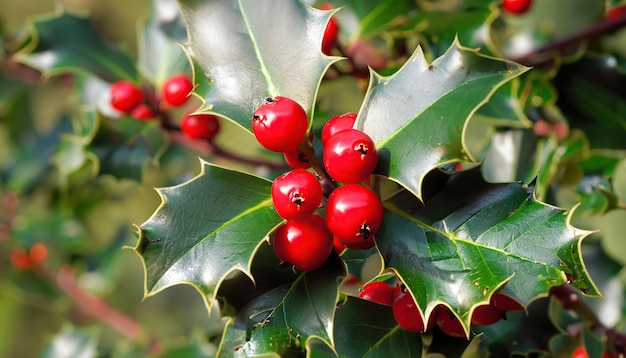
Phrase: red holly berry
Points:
(516, 6)
(448, 322)
(38, 253)
(296, 159)
(305, 242)
(350, 156)
(337, 124)
(176, 90)
(406, 311)
(279, 124)
(200, 126)
(615, 12)
(296, 193)
(21, 260)
(505, 303)
(381, 292)
(125, 96)
(580, 352)
(331, 33)
(353, 213)
(485, 315)
(339, 246)
(142, 112)
(365, 244)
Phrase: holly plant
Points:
(347, 178)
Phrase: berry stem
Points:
(328, 185)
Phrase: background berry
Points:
(200, 126)
(125, 96)
(516, 6)
(176, 90)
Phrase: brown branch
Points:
(535, 59)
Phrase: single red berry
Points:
(296, 159)
(305, 242)
(125, 96)
(448, 322)
(350, 156)
(485, 315)
(337, 124)
(21, 260)
(505, 302)
(353, 213)
(331, 34)
(176, 90)
(296, 193)
(516, 6)
(280, 124)
(580, 352)
(406, 311)
(200, 126)
(381, 292)
(616, 12)
(38, 253)
(142, 112)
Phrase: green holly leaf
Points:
(289, 317)
(125, 146)
(248, 50)
(160, 51)
(462, 246)
(68, 42)
(73, 150)
(205, 229)
(367, 329)
(417, 117)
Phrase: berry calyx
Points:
(305, 242)
(350, 156)
(142, 112)
(448, 323)
(380, 292)
(331, 33)
(406, 312)
(296, 193)
(125, 96)
(176, 90)
(200, 126)
(337, 124)
(354, 213)
(280, 124)
(516, 7)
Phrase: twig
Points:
(533, 59)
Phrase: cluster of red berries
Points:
(29, 259)
(127, 97)
(408, 316)
(353, 212)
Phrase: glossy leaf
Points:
(160, 43)
(287, 318)
(417, 116)
(367, 329)
(462, 246)
(67, 42)
(205, 229)
(245, 51)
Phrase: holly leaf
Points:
(248, 50)
(417, 117)
(73, 150)
(289, 317)
(160, 52)
(205, 229)
(367, 329)
(68, 42)
(461, 246)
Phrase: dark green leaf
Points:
(248, 50)
(68, 42)
(417, 117)
(205, 229)
(367, 329)
(462, 246)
